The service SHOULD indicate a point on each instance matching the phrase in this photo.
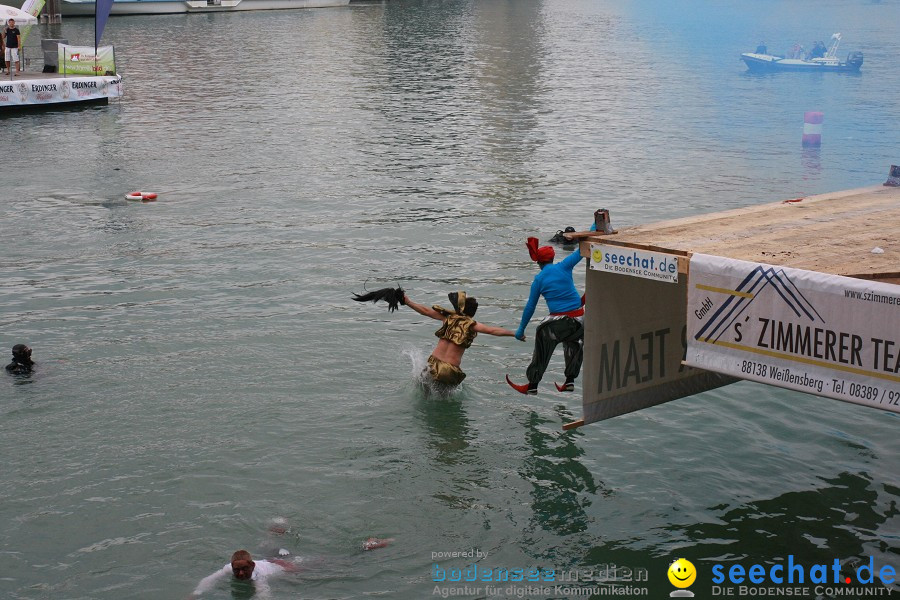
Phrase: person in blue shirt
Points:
(564, 324)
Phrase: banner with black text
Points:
(828, 335)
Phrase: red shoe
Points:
(568, 386)
(523, 388)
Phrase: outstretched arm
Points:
(373, 543)
(491, 330)
(569, 262)
(208, 582)
(422, 310)
(287, 565)
(529, 309)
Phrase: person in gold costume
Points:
(455, 335)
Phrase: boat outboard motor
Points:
(855, 59)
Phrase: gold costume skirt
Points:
(445, 373)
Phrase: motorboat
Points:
(767, 63)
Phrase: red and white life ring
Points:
(144, 196)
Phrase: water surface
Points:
(202, 370)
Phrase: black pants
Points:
(567, 330)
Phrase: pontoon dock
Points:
(800, 293)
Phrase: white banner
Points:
(634, 262)
(82, 60)
(35, 92)
(823, 334)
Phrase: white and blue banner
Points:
(57, 90)
(635, 262)
(828, 335)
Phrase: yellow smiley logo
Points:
(682, 573)
(597, 255)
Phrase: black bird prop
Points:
(393, 297)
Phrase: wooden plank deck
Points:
(831, 233)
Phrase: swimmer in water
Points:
(243, 568)
(373, 543)
(21, 363)
(455, 335)
(560, 237)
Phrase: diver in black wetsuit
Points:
(560, 238)
(21, 363)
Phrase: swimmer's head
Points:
(242, 565)
(278, 526)
(470, 305)
(21, 353)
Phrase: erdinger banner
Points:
(823, 334)
(79, 60)
(35, 92)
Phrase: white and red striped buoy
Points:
(144, 196)
(812, 128)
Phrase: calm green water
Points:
(202, 369)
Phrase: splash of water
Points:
(422, 379)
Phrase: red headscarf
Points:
(544, 254)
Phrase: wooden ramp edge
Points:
(832, 233)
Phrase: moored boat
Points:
(159, 7)
(763, 62)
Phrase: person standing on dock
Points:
(565, 323)
(11, 40)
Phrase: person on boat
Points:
(761, 49)
(564, 324)
(455, 335)
(21, 363)
(818, 51)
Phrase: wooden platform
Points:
(642, 347)
(831, 233)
